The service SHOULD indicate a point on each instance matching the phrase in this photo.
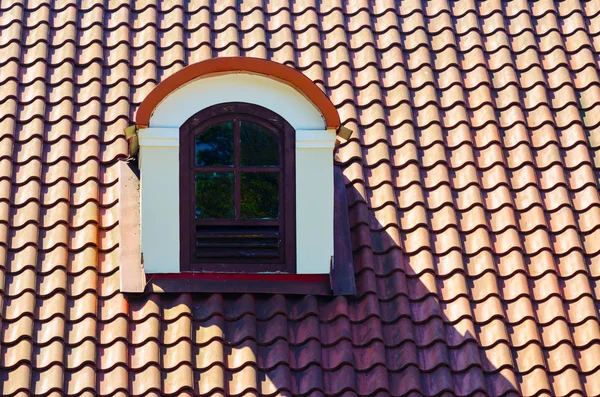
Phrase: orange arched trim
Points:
(272, 69)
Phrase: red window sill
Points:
(304, 284)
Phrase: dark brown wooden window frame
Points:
(237, 111)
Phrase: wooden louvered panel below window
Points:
(237, 242)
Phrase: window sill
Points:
(303, 284)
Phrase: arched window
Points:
(237, 191)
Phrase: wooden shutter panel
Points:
(237, 242)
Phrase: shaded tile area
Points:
(472, 181)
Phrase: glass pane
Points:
(259, 146)
(260, 195)
(214, 145)
(214, 195)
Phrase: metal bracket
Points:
(344, 132)
(131, 135)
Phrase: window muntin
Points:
(237, 171)
(239, 214)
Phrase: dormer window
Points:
(237, 199)
(236, 187)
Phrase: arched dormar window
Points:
(312, 231)
(237, 191)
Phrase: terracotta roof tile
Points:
(472, 184)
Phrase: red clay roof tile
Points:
(472, 182)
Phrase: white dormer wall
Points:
(159, 165)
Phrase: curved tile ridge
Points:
(289, 9)
(315, 45)
(472, 184)
(385, 104)
(299, 30)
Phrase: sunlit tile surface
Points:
(472, 181)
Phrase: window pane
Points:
(259, 146)
(214, 195)
(260, 195)
(214, 145)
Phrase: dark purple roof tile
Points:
(472, 185)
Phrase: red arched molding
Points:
(272, 69)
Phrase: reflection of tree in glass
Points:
(259, 146)
(214, 146)
(214, 195)
(260, 195)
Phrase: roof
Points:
(472, 181)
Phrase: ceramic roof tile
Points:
(472, 180)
